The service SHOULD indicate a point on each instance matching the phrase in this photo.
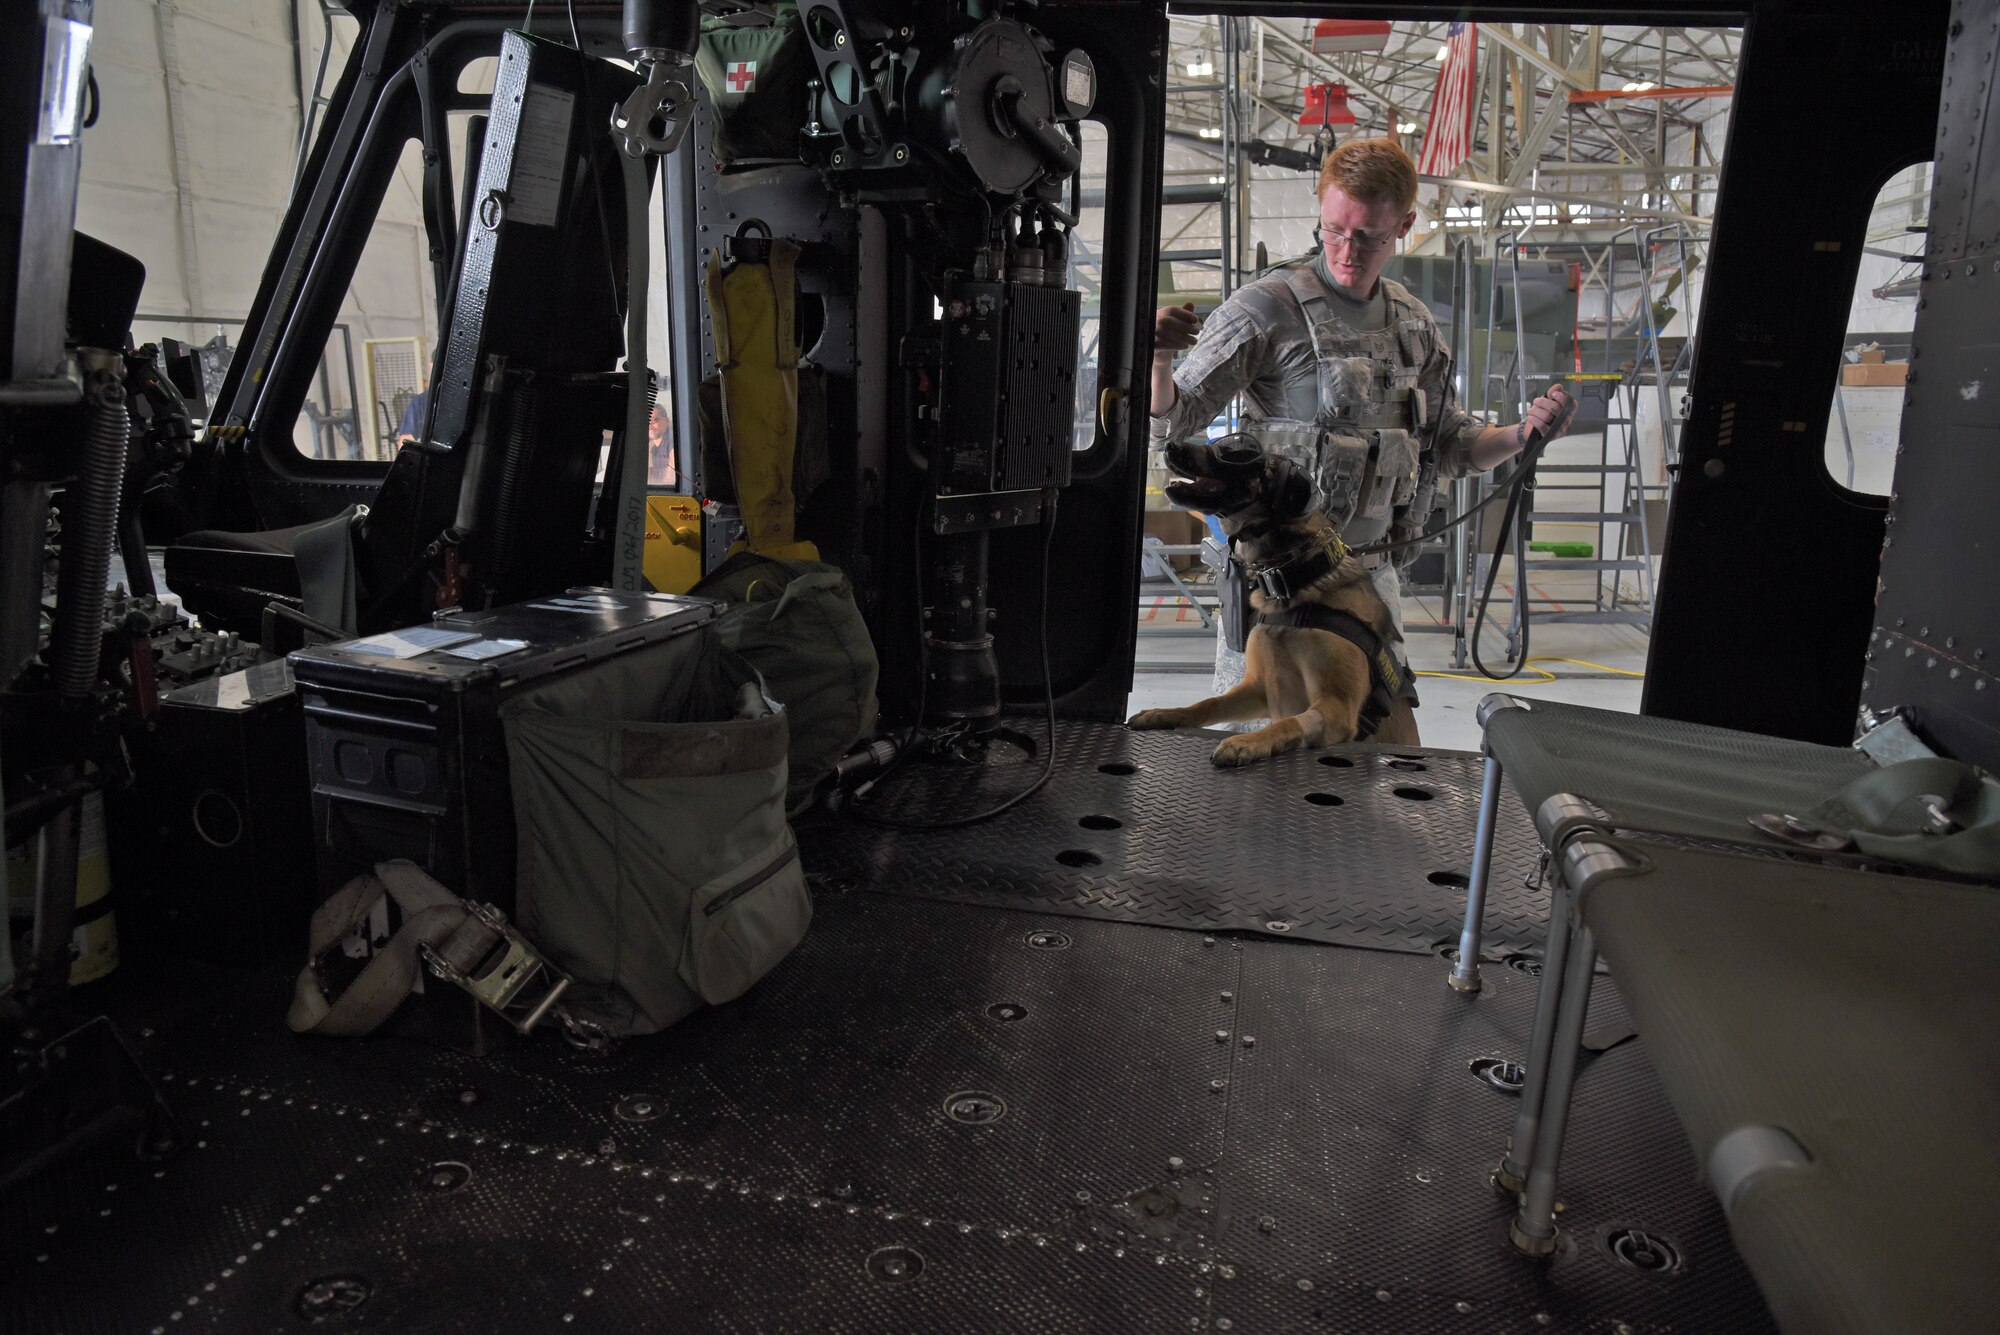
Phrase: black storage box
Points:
(408, 758)
(218, 828)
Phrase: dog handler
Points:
(1345, 368)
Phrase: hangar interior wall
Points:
(190, 165)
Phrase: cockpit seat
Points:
(228, 578)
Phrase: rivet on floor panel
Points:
(1249, 1042)
(1218, 1085)
(1175, 1163)
(1544, 1319)
(1228, 997)
(1462, 1307)
(1305, 1286)
(1224, 1323)
(1222, 1035)
(1083, 1198)
(1267, 1224)
(975, 1107)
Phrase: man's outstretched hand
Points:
(1174, 328)
(1549, 416)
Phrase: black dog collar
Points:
(1285, 579)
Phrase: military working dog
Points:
(1319, 662)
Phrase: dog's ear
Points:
(1294, 496)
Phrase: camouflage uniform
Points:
(1371, 413)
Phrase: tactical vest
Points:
(1365, 442)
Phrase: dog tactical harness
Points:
(1387, 678)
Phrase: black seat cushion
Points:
(227, 578)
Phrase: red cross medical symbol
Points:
(742, 76)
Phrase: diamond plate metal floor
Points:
(1351, 845)
(933, 1117)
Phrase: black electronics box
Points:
(1007, 396)
(407, 755)
(218, 826)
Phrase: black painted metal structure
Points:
(1769, 578)
(1936, 639)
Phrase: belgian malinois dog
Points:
(1311, 683)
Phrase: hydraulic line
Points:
(90, 526)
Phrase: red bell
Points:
(1326, 104)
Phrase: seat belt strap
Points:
(471, 945)
(1930, 811)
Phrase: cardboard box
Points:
(1872, 357)
(1175, 528)
(1885, 375)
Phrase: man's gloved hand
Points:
(1174, 329)
(1549, 416)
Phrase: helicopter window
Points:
(1086, 275)
(1866, 421)
(366, 397)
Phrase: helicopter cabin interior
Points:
(712, 886)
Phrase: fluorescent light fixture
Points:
(1217, 180)
(1211, 132)
(1406, 127)
(1443, 52)
(1197, 68)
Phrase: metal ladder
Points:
(1617, 490)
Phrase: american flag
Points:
(1448, 140)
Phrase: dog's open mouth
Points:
(1194, 491)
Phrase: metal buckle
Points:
(1795, 831)
(1271, 580)
(514, 980)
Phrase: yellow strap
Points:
(784, 296)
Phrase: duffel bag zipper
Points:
(742, 888)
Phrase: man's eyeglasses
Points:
(1357, 244)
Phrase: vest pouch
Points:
(1343, 470)
(1375, 498)
(1347, 387)
(1396, 465)
(1417, 342)
(743, 922)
